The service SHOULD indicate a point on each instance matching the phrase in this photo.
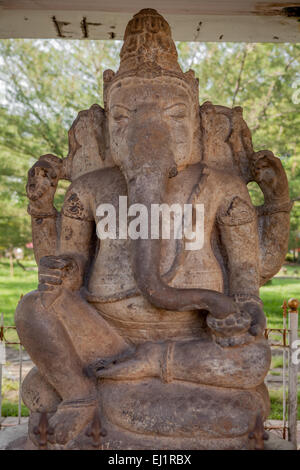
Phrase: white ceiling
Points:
(190, 20)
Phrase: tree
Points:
(46, 82)
(265, 80)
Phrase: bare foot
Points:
(70, 420)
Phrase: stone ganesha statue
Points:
(165, 344)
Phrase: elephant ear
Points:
(88, 149)
(226, 140)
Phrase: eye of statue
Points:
(177, 111)
(120, 117)
(120, 114)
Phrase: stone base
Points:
(149, 414)
(8, 440)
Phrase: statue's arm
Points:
(44, 234)
(77, 225)
(41, 185)
(273, 228)
(274, 215)
(237, 224)
(61, 241)
(75, 242)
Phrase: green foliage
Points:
(10, 395)
(264, 79)
(44, 83)
(289, 257)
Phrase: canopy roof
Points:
(190, 20)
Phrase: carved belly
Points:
(112, 290)
(112, 273)
(137, 321)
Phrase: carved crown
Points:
(149, 52)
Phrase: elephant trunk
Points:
(151, 164)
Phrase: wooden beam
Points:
(190, 20)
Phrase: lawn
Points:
(11, 288)
(273, 295)
(276, 404)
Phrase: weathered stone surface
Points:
(160, 344)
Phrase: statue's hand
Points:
(248, 318)
(220, 305)
(226, 330)
(42, 182)
(59, 271)
(258, 318)
(269, 174)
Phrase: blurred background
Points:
(45, 83)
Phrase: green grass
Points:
(10, 394)
(273, 295)
(11, 288)
(11, 409)
(276, 404)
(277, 362)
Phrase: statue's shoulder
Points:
(228, 181)
(85, 190)
(226, 140)
(90, 182)
(235, 206)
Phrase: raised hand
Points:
(42, 182)
(269, 174)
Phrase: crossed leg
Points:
(62, 334)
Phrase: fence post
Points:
(284, 358)
(20, 384)
(2, 343)
(293, 371)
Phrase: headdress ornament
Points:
(148, 52)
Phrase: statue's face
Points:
(148, 103)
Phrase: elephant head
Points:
(152, 124)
